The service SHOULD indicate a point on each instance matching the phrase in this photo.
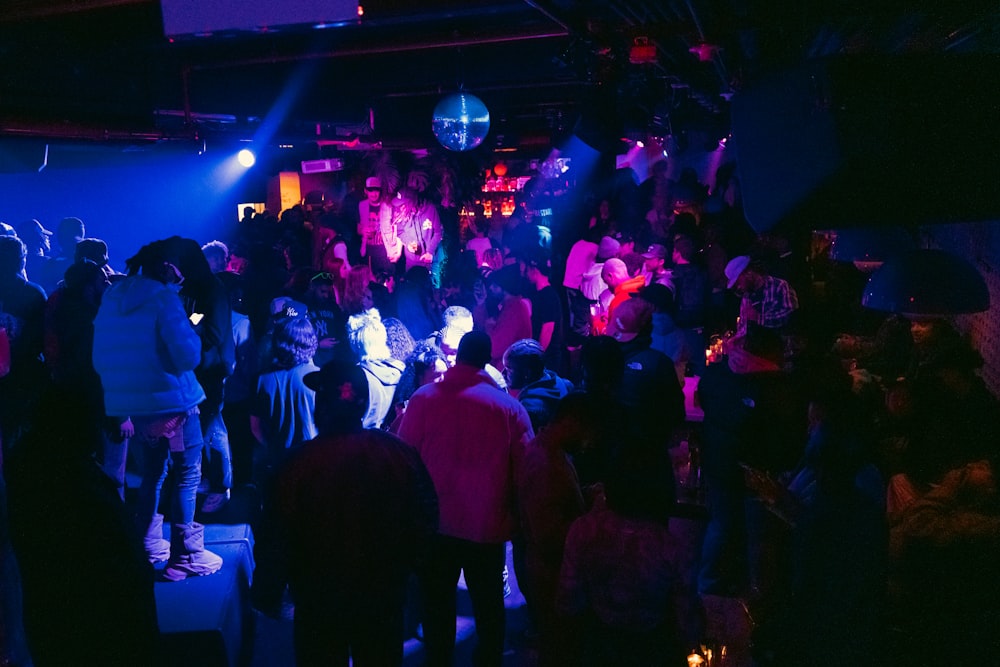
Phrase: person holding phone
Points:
(146, 352)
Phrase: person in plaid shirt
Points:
(766, 300)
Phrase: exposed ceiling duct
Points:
(102, 67)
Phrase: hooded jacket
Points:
(650, 387)
(591, 283)
(146, 350)
(624, 292)
(383, 376)
(539, 398)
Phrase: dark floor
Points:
(728, 622)
(209, 621)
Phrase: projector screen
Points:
(199, 17)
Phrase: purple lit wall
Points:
(185, 17)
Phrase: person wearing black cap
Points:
(471, 436)
(537, 387)
(654, 266)
(96, 251)
(352, 513)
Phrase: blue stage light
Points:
(246, 158)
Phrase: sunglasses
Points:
(372, 189)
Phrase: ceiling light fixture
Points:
(705, 52)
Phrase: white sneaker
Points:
(215, 502)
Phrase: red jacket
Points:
(622, 293)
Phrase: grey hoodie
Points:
(383, 376)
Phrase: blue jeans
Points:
(115, 458)
(218, 456)
(157, 461)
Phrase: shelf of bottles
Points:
(505, 183)
(497, 195)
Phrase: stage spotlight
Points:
(246, 158)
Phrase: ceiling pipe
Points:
(492, 88)
(28, 10)
(76, 132)
(385, 49)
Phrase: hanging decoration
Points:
(460, 122)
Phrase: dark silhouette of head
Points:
(603, 365)
(341, 397)
(524, 362)
(12, 253)
(475, 349)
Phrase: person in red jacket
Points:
(621, 287)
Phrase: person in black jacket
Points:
(353, 511)
(650, 385)
(754, 415)
(207, 303)
(536, 387)
(88, 588)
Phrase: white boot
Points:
(189, 557)
(157, 548)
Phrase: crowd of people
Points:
(408, 391)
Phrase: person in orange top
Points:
(621, 287)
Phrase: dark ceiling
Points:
(102, 69)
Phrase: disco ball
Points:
(460, 122)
